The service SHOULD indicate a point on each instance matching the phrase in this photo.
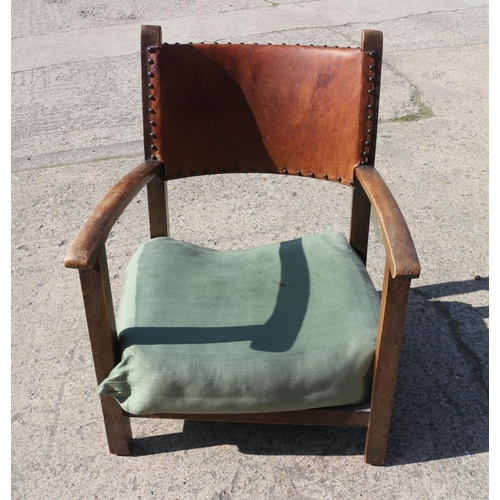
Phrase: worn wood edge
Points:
(373, 41)
(150, 37)
(87, 245)
(331, 416)
(400, 249)
(117, 427)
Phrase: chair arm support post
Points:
(400, 249)
(98, 304)
(89, 243)
(393, 307)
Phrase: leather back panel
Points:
(263, 108)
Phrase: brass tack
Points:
(372, 67)
(229, 43)
(368, 143)
(153, 157)
(363, 162)
(371, 79)
(325, 45)
(153, 147)
(151, 97)
(255, 43)
(335, 46)
(150, 61)
(190, 43)
(339, 178)
(369, 131)
(216, 43)
(298, 172)
(366, 153)
(202, 43)
(312, 175)
(298, 44)
(285, 171)
(269, 43)
(371, 91)
(176, 43)
(151, 74)
(283, 44)
(152, 111)
(152, 123)
(371, 106)
(348, 47)
(372, 53)
(351, 183)
(370, 117)
(151, 50)
(325, 176)
(153, 135)
(151, 86)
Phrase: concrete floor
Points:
(76, 129)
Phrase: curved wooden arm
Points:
(85, 249)
(401, 254)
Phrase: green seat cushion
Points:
(282, 327)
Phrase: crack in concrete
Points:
(73, 163)
(423, 110)
(333, 27)
(471, 358)
(271, 4)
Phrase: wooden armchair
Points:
(223, 108)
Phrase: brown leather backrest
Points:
(264, 108)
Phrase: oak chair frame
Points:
(87, 254)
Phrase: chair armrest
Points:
(401, 253)
(87, 245)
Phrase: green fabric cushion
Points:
(282, 327)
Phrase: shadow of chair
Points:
(444, 415)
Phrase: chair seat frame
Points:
(87, 254)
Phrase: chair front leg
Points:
(98, 303)
(393, 306)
